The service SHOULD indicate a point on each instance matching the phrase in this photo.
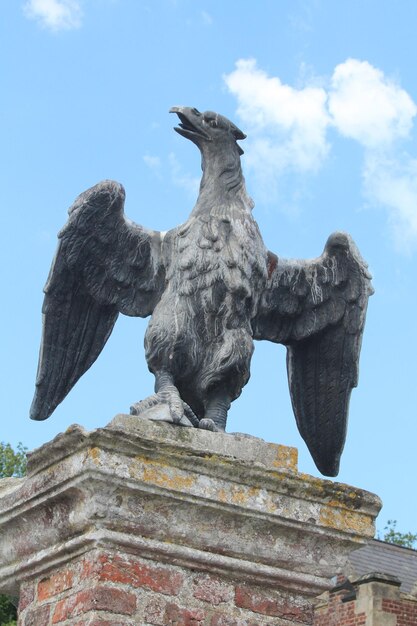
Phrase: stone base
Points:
(146, 523)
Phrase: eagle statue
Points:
(211, 288)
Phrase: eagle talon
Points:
(176, 411)
(208, 424)
(189, 413)
(139, 407)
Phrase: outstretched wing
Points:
(317, 309)
(104, 265)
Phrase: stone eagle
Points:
(211, 288)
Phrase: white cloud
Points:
(288, 131)
(367, 106)
(153, 162)
(392, 183)
(289, 124)
(370, 108)
(54, 14)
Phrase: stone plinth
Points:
(146, 523)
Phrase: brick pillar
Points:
(145, 523)
(373, 600)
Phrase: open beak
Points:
(190, 125)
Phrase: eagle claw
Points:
(208, 424)
(171, 409)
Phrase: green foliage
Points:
(12, 463)
(392, 535)
(8, 614)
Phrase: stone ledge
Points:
(378, 577)
(207, 501)
(133, 430)
(210, 453)
(175, 554)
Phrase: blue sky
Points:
(326, 92)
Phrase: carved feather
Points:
(104, 265)
(317, 309)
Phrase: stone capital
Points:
(224, 505)
(207, 500)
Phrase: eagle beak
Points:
(190, 125)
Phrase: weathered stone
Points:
(212, 590)
(225, 620)
(38, 616)
(181, 523)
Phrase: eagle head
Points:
(207, 130)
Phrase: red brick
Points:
(133, 572)
(89, 567)
(97, 599)
(183, 617)
(344, 614)
(38, 616)
(245, 598)
(140, 574)
(338, 613)
(159, 613)
(54, 584)
(212, 590)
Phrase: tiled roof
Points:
(386, 558)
